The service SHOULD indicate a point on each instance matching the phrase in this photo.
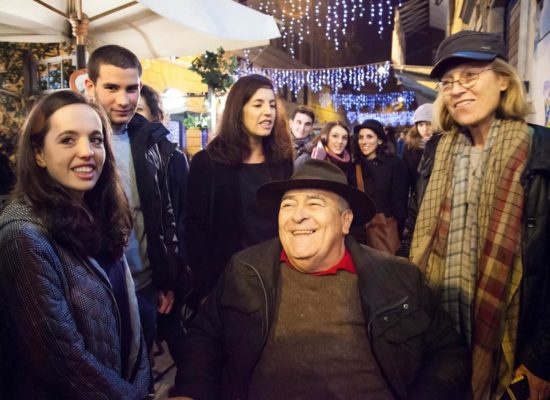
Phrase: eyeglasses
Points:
(467, 80)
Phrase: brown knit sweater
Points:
(318, 346)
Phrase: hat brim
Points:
(270, 194)
(459, 57)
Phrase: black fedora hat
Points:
(467, 46)
(316, 174)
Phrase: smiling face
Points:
(312, 228)
(301, 125)
(73, 152)
(259, 114)
(337, 140)
(474, 107)
(117, 90)
(368, 142)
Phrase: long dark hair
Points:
(231, 145)
(102, 223)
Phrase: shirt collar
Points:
(346, 264)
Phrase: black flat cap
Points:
(467, 46)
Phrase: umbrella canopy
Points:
(149, 28)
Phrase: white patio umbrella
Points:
(149, 28)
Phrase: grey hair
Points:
(343, 204)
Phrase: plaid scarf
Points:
(467, 240)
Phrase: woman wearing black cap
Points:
(483, 229)
(382, 176)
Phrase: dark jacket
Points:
(411, 159)
(59, 322)
(418, 351)
(424, 171)
(214, 230)
(385, 180)
(154, 197)
(177, 175)
(533, 347)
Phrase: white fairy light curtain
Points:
(401, 118)
(372, 102)
(356, 77)
(299, 17)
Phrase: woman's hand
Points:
(539, 389)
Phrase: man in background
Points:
(301, 127)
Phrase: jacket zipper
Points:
(264, 338)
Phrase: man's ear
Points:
(90, 88)
(347, 218)
(39, 158)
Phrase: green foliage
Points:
(15, 98)
(215, 70)
(196, 121)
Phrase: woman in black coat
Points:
(252, 147)
(382, 176)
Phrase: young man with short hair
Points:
(114, 81)
(301, 126)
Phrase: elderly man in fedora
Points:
(315, 315)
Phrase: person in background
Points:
(252, 147)
(392, 140)
(114, 82)
(169, 324)
(313, 314)
(483, 229)
(332, 145)
(301, 129)
(416, 140)
(383, 177)
(150, 104)
(400, 142)
(69, 323)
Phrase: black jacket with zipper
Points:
(154, 197)
(418, 352)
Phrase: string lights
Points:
(372, 102)
(299, 17)
(357, 77)
(401, 118)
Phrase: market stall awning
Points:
(149, 28)
(417, 78)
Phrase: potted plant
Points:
(196, 129)
(196, 121)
